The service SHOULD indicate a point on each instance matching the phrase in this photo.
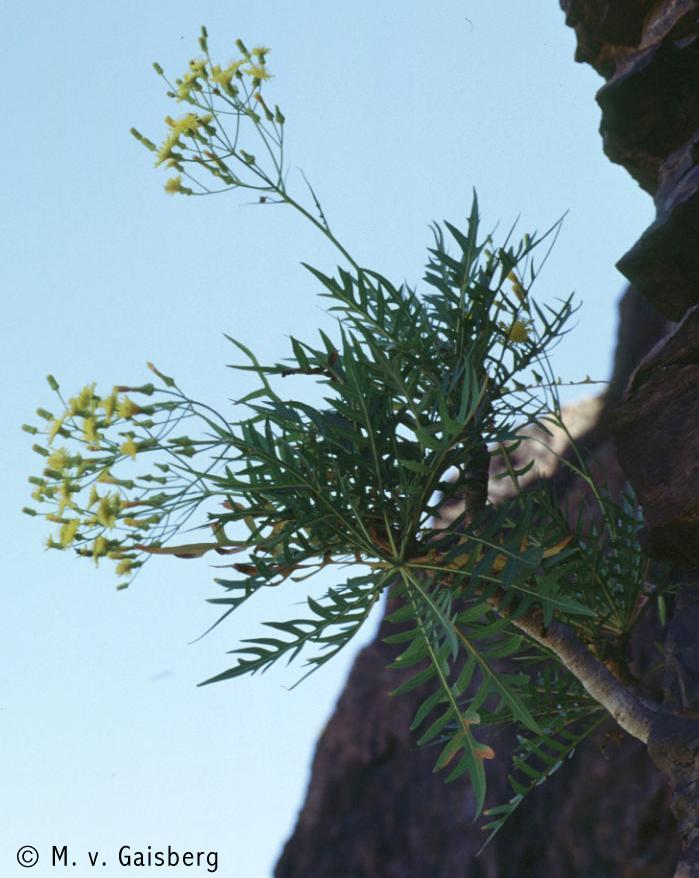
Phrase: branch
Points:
(628, 709)
(632, 712)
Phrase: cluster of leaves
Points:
(417, 390)
(610, 575)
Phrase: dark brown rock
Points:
(670, 19)
(650, 125)
(640, 328)
(375, 809)
(640, 128)
(664, 263)
(657, 436)
(681, 683)
(604, 27)
(610, 31)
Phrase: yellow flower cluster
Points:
(193, 137)
(258, 72)
(190, 81)
(223, 76)
(186, 126)
(84, 520)
(193, 80)
(85, 401)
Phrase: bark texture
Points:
(373, 807)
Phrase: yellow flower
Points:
(64, 497)
(129, 447)
(518, 332)
(261, 51)
(59, 460)
(106, 478)
(68, 531)
(165, 151)
(56, 425)
(83, 401)
(93, 498)
(173, 185)
(99, 548)
(190, 81)
(124, 566)
(224, 76)
(90, 431)
(187, 124)
(127, 408)
(257, 71)
(108, 509)
(108, 403)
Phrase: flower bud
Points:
(53, 384)
(170, 382)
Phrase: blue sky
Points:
(395, 112)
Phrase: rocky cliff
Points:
(374, 809)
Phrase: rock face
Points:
(649, 52)
(656, 431)
(650, 124)
(374, 809)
